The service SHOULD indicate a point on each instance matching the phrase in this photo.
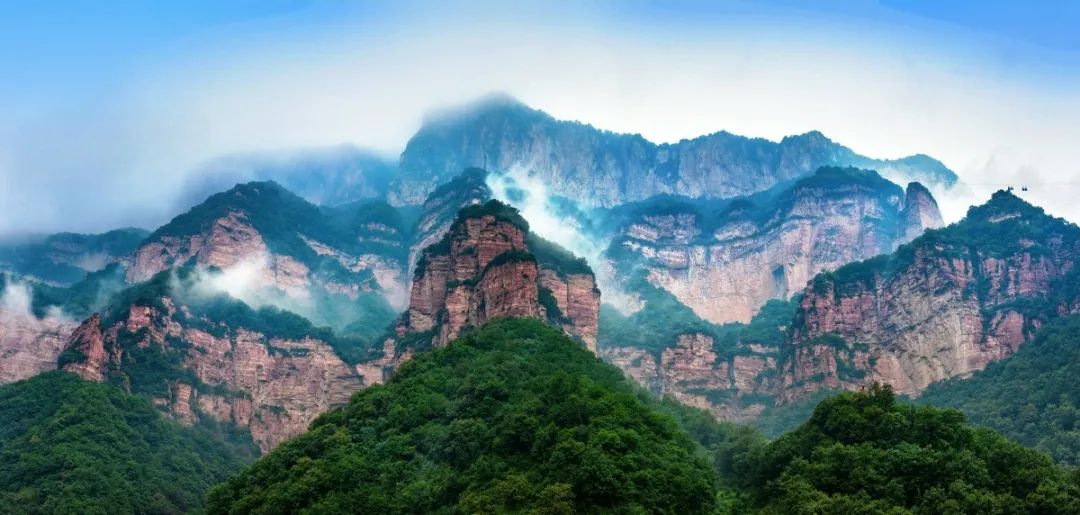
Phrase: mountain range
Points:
(719, 278)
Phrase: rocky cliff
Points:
(280, 246)
(943, 306)
(265, 371)
(600, 168)
(726, 259)
(30, 345)
(488, 266)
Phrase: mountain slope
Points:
(205, 356)
(512, 417)
(944, 305)
(864, 453)
(1032, 397)
(70, 446)
(725, 259)
(488, 265)
(601, 168)
(65, 258)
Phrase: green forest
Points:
(515, 417)
(71, 446)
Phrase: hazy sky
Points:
(106, 107)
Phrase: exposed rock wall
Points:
(755, 254)
(30, 345)
(733, 387)
(600, 168)
(482, 269)
(272, 386)
(943, 308)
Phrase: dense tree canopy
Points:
(512, 417)
(1033, 397)
(862, 452)
(70, 446)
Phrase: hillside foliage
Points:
(70, 446)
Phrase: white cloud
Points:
(883, 83)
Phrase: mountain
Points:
(515, 417)
(488, 265)
(941, 306)
(65, 258)
(863, 452)
(725, 259)
(281, 246)
(203, 356)
(1032, 397)
(512, 417)
(601, 168)
(71, 446)
(945, 305)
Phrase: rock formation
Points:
(943, 306)
(600, 168)
(488, 266)
(726, 264)
(30, 345)
(195, 368)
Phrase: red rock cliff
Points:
(484, 268)
(944, 306)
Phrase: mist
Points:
(91, 143)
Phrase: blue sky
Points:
(110, 107)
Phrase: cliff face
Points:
(29, 345)
(280, 242)
(488, 266)
(599, 168)
(195, 369)
(727, 263)
(732, 387)
(944, 306)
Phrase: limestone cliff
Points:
(726, 259)
(732, 386)
(30, 345)
(487, 266)
(601, 168)
(942, 306)
(195, 368)
(286, 243)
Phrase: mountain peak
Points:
(1004, 205)
(497, 102)
(489, 266)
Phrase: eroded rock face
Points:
(733, 387)
(272, 386)
(726, 271)
(30, 345)
(599, 168)
(482, 269)
(945, 309)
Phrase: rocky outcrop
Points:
(441, 207)
(725, 265)
(943, 306)
(277, 242)
(600, 168)
(484, 268)
(195, 368)
(735, 386)
(30, 345)
(920, 213)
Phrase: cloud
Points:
(883, 82)
(519, 188)
(16, 303)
